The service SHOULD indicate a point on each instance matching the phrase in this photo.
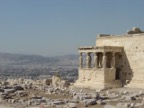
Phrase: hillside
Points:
(34, 65)
(20, 59)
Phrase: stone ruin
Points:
(115, 61)
(135, 30)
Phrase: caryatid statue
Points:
(80, 60)
(88, 59)
(95, 60)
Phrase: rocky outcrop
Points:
(57, 82)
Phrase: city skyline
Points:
(59, 27)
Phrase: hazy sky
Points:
(59, 27)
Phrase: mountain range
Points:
(21, 59)
(20, 65)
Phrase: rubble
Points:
(34, 93)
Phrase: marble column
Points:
(104, 60)
(88, 60)
(113, 60)
(81, 61)
(95, 60)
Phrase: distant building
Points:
(115, 61)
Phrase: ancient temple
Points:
(115, 61)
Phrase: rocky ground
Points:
(31, 94)
(77, 98)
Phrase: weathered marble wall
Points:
(132, 63)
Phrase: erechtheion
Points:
(115, 61)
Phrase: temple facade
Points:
(115, 61)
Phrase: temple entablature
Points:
(100, 49)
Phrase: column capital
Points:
(113, 53)
(104, 53)
(95, 53)
(88, 53)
